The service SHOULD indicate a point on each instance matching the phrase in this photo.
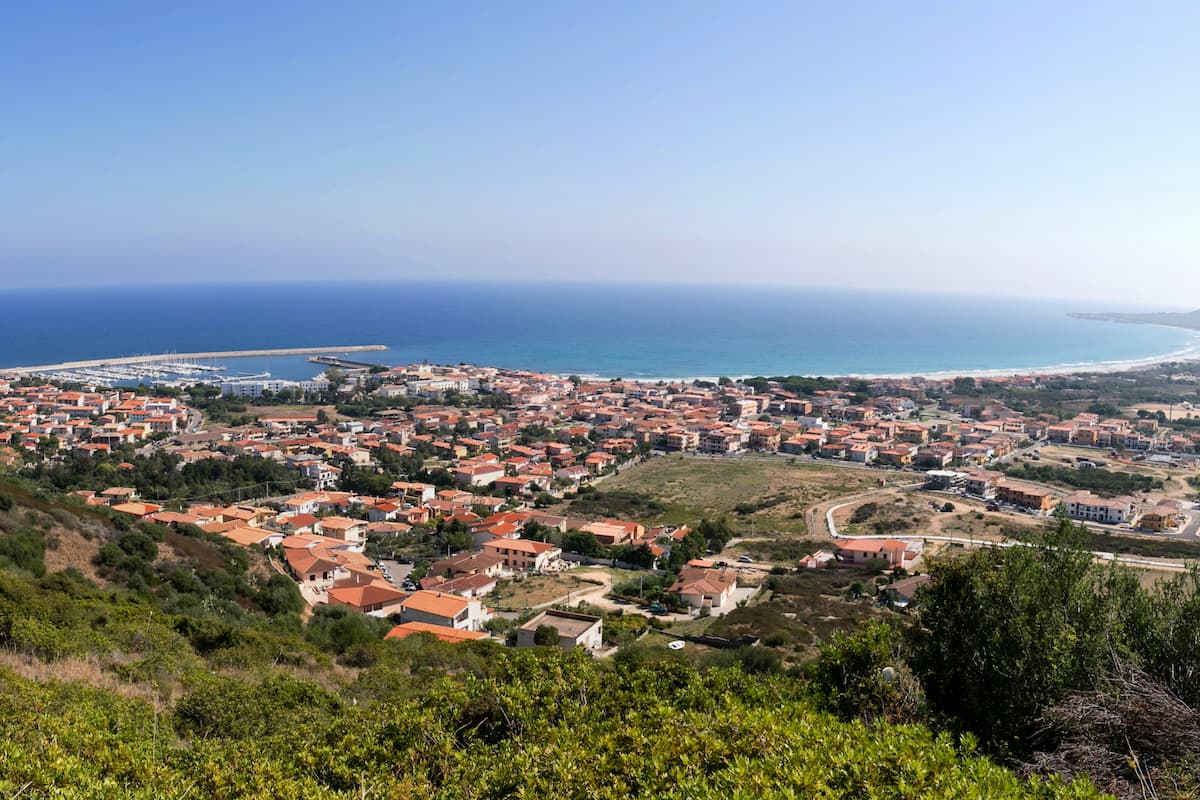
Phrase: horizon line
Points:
(566, 282)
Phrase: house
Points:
(478, 473)
(862, 551)
(447, 610)
(452, 635)
(476, 585)
(490, 564)
(250, 516)
(298, 523)
(139, 510)
(1164, 516)
(863, 453)
(420, 492)
(343, 529)
(377, 598)
(705, 587)
(313, 565)
(524, 554)
(901, 593)
(606, 533)
(248, 537)
(574, 630)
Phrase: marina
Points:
(165, 369)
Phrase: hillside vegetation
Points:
(186, 672)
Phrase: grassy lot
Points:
(770, 495)
(534, 590)
(785, 550)
(802, 611)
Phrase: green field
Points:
(762, 496)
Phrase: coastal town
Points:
(486, 462)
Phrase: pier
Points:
(177, 357)
(345, 363)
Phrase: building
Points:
(1166, 515)
(489, 564)
(377, 598)
(524, 554)
(344, 529)
(1025, 495)
(981, 484)
(901, 593)
(705, 587)
(574, 630)
(256, 388)
(446, 610)
(862, 551)
(478, 473)
(1090, 508)
(452, 635)
(944, 479)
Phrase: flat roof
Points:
(568, 623)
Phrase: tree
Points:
(862, 676)
(640, 556)
(694, 545)
(1006, 632)
(545, 635)
(715, 532)
(582, 542)
(47, 445)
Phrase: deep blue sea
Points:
(626, 330)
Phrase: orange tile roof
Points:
(452, 635)
(436, 603)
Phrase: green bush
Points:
(25, 550)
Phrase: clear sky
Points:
(1022, 148)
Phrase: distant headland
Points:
(1173, 319)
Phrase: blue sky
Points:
(1015, 148)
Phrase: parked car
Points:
(745, 560)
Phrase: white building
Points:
(574, 630)
(1090, 508)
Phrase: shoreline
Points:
(1189, 354)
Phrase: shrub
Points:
(545, 635)
(24, 549)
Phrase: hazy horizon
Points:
(1063, 304)
(1008, 149)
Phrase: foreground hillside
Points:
(427, 721)
(171, 672)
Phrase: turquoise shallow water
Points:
(632, 331)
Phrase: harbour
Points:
(178, 368)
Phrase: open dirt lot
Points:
(912, 514)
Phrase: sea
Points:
(638, 331)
